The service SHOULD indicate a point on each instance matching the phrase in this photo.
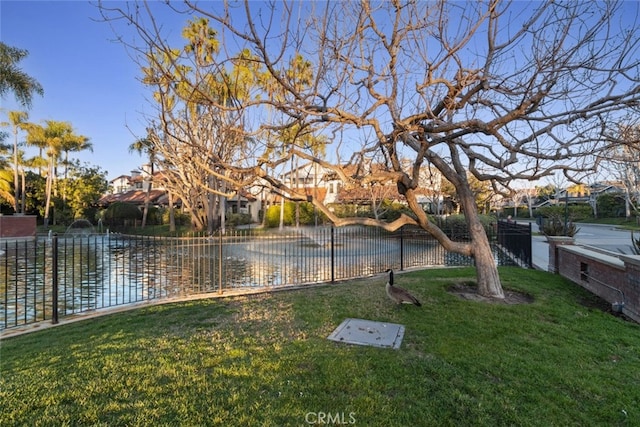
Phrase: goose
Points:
(398, 294)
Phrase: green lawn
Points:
(629, 224)
(264, 360)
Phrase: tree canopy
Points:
(13, 79)
(486, 92)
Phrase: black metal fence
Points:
(47, 277)
(515, 238)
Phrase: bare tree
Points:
(497, 91)
(622, 162)
(530, 195)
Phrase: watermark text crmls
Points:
(330, 418)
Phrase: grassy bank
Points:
(626, 223)
(265, 361)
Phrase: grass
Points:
(264, 360)
(626, 223)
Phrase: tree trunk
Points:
(172, 216)
(627, 206)
(486, 269)
(16, 186)
(147, 199)
(281, 226)
(23, 192)
(211, 206)
(49, 185)
(223, 214)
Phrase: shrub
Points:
(235, 219)
(273, 215)
(306, 210)
(121, 213)
(610, 205)
(555, 227)
(574, 212)
(154, 216)
(180, 217)
(455, 226)
(343, 210)
(521, 212)
(392, 211)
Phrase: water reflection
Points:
(101, 271)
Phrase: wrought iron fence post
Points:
(54, 278)
(333, 257)
(220, 264)
(401, 249)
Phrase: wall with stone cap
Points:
(17, 226)
(612, 276)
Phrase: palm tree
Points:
(5, 186)
(146, 146)
(13, 78)
(55, 137)
(25, 163)
(73, 143)
(17, 120)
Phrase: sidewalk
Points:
(602, 236)
(539, 247)
(540, 253)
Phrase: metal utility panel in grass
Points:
(368, 332)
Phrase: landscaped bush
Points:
(455, 226)
(306, 211)
(554, 226)
(392, 211)
(180, 217)
(521, 212)
(273, 215)
(610, 205)
(388, 211)
(121, 214)
(235, 219)
(154, 216)
(574, 212)
(343, 210)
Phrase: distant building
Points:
(313, 180)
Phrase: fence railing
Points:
(516, 239)
(48, 277)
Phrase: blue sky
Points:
(88, 80)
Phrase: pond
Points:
(99, 271)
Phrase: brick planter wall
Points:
(17, 226)
(613, 277)
(632, 266)
(554, 242)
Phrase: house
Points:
(311, 179)
(121, 184)
(245, 203)
(138, 180)
(136, 197)
(325, 185)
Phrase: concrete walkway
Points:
(540, 253)
(603, 236)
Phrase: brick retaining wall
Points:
(16, 226)
(612, 276)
